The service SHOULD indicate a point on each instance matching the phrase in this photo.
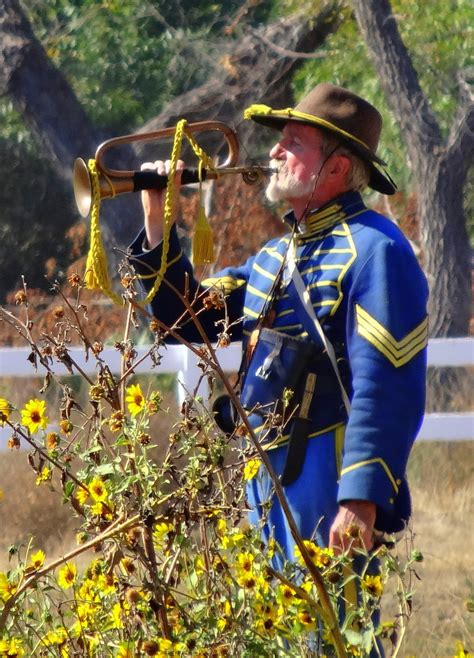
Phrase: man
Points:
(369, 294)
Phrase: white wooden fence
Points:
(452, 352)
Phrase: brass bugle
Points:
(113, 182)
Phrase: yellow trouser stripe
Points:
(339, 436)
(350, 594)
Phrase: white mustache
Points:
(277, 166)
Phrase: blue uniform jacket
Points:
(370, 295)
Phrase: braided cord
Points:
(96, 275)
(204, 160)
(168, 210)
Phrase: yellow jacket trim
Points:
(255, 291)
(250, 313)
(322, 268)
(322, 284)
(263, 272)
(286, 327)
(271, 251)
(375, 460)
(287, 311)
(398, 352)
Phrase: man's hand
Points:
(353, 526)
(153, 201)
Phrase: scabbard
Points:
(296, 453)
(298, 440)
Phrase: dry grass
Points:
(442, 486)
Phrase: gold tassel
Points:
(90, 278)
(203, 241)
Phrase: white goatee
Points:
(284, 185)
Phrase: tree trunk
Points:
(40, 91)
(446, 247)
(256, 73)
(439, 167)
(50, 108)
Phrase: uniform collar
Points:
(327, 216)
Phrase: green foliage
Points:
(437, 35)
(126, 59)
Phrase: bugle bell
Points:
(113, 182)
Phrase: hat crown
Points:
(345, 110)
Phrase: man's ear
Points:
(339, 166)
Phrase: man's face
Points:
(297, 158)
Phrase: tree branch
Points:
(460, 143)
(249, 71)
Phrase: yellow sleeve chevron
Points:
(398, 352)
(227, 283)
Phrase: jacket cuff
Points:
(147, 262)
(369, 480)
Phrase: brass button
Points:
(391, 501)
(398, 482)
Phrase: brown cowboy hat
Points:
(347, 116)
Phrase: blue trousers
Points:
(312, 499)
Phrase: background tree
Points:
(124, 61)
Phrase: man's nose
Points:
(276, 152)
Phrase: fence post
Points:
(189, 380)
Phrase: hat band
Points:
(265, 110)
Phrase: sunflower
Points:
(135, 399)
(37, 559)
(67, 576)
(373, 585)
(251, 469)
(5, 411)
(98, 489)
(33, 415)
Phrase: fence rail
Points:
(454, 352)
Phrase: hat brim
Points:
(378, 181)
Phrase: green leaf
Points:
(68, 490)
(105, 469)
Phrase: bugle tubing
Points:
(113, 182)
